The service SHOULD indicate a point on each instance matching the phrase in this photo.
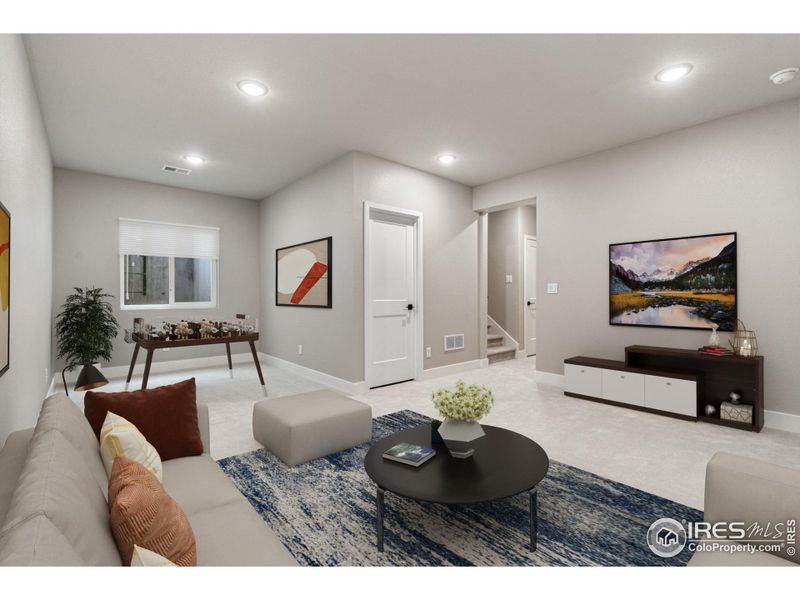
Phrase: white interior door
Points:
(530, 296)
(391, 299)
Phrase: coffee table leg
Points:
(379, 521)
(534, 518)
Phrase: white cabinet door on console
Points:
(621, 386)
(671, 395)
(585, 381)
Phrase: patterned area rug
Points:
(324, 513)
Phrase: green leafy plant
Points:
(465, 403)
(86, 327)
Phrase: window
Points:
(165, 265)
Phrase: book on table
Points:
(409, 454)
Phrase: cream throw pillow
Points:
(142, 557)
(119, 437)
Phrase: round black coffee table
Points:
(505, 464)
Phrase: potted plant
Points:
(461, 410)
(86, 328)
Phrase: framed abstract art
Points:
(303, 274)
(5, 287)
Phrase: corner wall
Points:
(26, 190)
(86, 249)
(739, 173)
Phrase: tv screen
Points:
(688, 282)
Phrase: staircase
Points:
(496, 351)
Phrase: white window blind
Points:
(150, 238)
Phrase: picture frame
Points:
(5, 289)
(303, 274)
(668, 296)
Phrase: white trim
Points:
(549, 378)
(164, 366)
(419, 342)
(443, 371)
(347, 387)
(782, 421)
(525, 336)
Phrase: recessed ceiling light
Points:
(446, 159)
(674, 73)
(252, 88)
(784, 75)
(194, 159)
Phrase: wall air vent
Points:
(454, 342)
(176, 170)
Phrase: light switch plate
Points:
(509, 279)
(427, 352)
(552, 288)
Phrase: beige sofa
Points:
(750, 491)
(53, 507)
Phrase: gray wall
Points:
(738, 174)
(87, 209)
(450, 253)
(330, 202)
(26, 190)
(505, 256)
(316, 206)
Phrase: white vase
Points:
(458, 436)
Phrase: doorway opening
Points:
(509, 281)
(393, 306)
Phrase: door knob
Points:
(410, 307)
(529, 302)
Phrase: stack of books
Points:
(716, 350)
(409, 454)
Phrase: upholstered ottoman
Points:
(306, 426)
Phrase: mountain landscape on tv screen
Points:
(686, 282)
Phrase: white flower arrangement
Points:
(465, 403)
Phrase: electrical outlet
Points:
(300, 349)
(427, 352)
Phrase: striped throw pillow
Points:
(141, 513)
(119, 437)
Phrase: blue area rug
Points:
(324, 513)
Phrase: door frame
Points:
(525, 238)
(419, 341)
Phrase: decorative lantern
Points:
(744, 341)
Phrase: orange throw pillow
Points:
(142, 513)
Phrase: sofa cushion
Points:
(55, 482)
(234, 535)
(166, 416)
(142, 513)
(197, 483)
(12, 459)
(37, 542)
(60, 413)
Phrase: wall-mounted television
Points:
(686, 282)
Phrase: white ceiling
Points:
(124, 105)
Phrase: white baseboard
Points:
(454, 369)
(341, 385)
(521, 354)
(163, 366)
(782, 421)
(549, 378)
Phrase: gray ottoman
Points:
(306, 426)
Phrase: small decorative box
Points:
(741, 413)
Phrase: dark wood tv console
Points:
(651, 378)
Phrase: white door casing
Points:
(391, 267)
(529, 300)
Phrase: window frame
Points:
(172, 303)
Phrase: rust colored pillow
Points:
(142, 513)
(166, 416)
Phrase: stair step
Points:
(499, 353)
(494, 339)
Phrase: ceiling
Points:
(124, 105)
